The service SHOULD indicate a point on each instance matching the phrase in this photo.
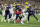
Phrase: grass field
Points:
(33, 23)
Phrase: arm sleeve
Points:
(15, 11)
(20, 12)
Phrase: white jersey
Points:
(25, 16)
(5, 7)
(24, 12)
(11, 10)
(3, 12)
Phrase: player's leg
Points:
(28, 18)
(17, 18)
(20, 19)
(14, 18)
(35, 17)
(5, 17)
(14, 21)
(9, 17)
(24, 18)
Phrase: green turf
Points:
(33, 23)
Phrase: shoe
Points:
(4, 20)
(22, 22)
(8, 20)
(38, 21)
(28, 21)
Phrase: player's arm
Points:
(15, 11)
(20, 11)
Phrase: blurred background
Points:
(35, 3)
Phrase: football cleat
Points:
(38, 21)
(8, 20)
(4, 20)
(22, 22)
(28, 21)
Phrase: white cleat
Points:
(38, 21)
(22, 22)
(8, 20)
(4, 20)
(28, 21)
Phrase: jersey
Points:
(7, 11)
(30, 11)
(18, 10)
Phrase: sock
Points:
(16, 21)
(20, 21)
(8, 20)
